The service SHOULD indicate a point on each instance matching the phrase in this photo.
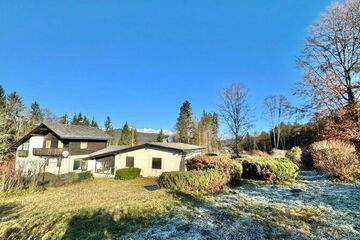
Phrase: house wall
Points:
(171, 160)
(92, 146)
(32, 163)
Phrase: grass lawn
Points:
(93, 209)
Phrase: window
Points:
(83, 145)
(25, 146)
(60, 144)
(80, 164)
(129, 162)
(156, 163)
(48, 144)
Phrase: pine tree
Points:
(135, 136)
(75, 120)
(86, 121)
(64, 119)
(161, 137)
(94, 123)
(80, 118)
(2, 97)
(35, 116)
(109, 130)
(125, 136)
(184, 123)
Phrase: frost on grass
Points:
(313, 208)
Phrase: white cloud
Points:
(152, 130)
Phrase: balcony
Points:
(49, 152)
(23, 153)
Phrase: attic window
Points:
(25, 146)
(48, 144)
(60, 144)
(83, 145)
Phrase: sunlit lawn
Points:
(93, 209)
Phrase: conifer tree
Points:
(85, 121)
(75, 120)
(126, 135)
(184, 123)
(109, 130)
(64, 119)
(35, 115)
(94, 123)
(161, 137)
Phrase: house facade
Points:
(152, 158)
(58, 148)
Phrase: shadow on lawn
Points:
(102, 225)
(9, 212)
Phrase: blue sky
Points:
(137, 61)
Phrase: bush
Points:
(274, 170)
(221, 163)
(294, 154)
(208, 181)
(85, 175)
(337, 158)
(127, 173)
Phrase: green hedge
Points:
(127, 173)
(208, 181)
(275, 170)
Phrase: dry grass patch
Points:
(93, 209)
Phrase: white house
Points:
(152, 158)
(58, 148)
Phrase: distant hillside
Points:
(142, 137)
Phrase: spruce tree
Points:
(35, 115)
(125, 136)
(184, 123)
(94, 123)
(64, 119)
(85, 121)
(75, 120)
(109, 130)
(161, 137)
(135, 135)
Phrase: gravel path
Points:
(313, 208)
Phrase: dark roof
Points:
(66, 132)
(112, 150)
(76, 131)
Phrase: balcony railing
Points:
(55, 152)
(23, 153)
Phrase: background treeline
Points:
(202, 131)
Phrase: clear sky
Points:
(137, 61)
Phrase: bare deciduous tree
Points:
(277, 109)
(331, 60)
(235, 111)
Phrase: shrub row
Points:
(207, 181)
(127, 173)
(338, 158)
(274, 170)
